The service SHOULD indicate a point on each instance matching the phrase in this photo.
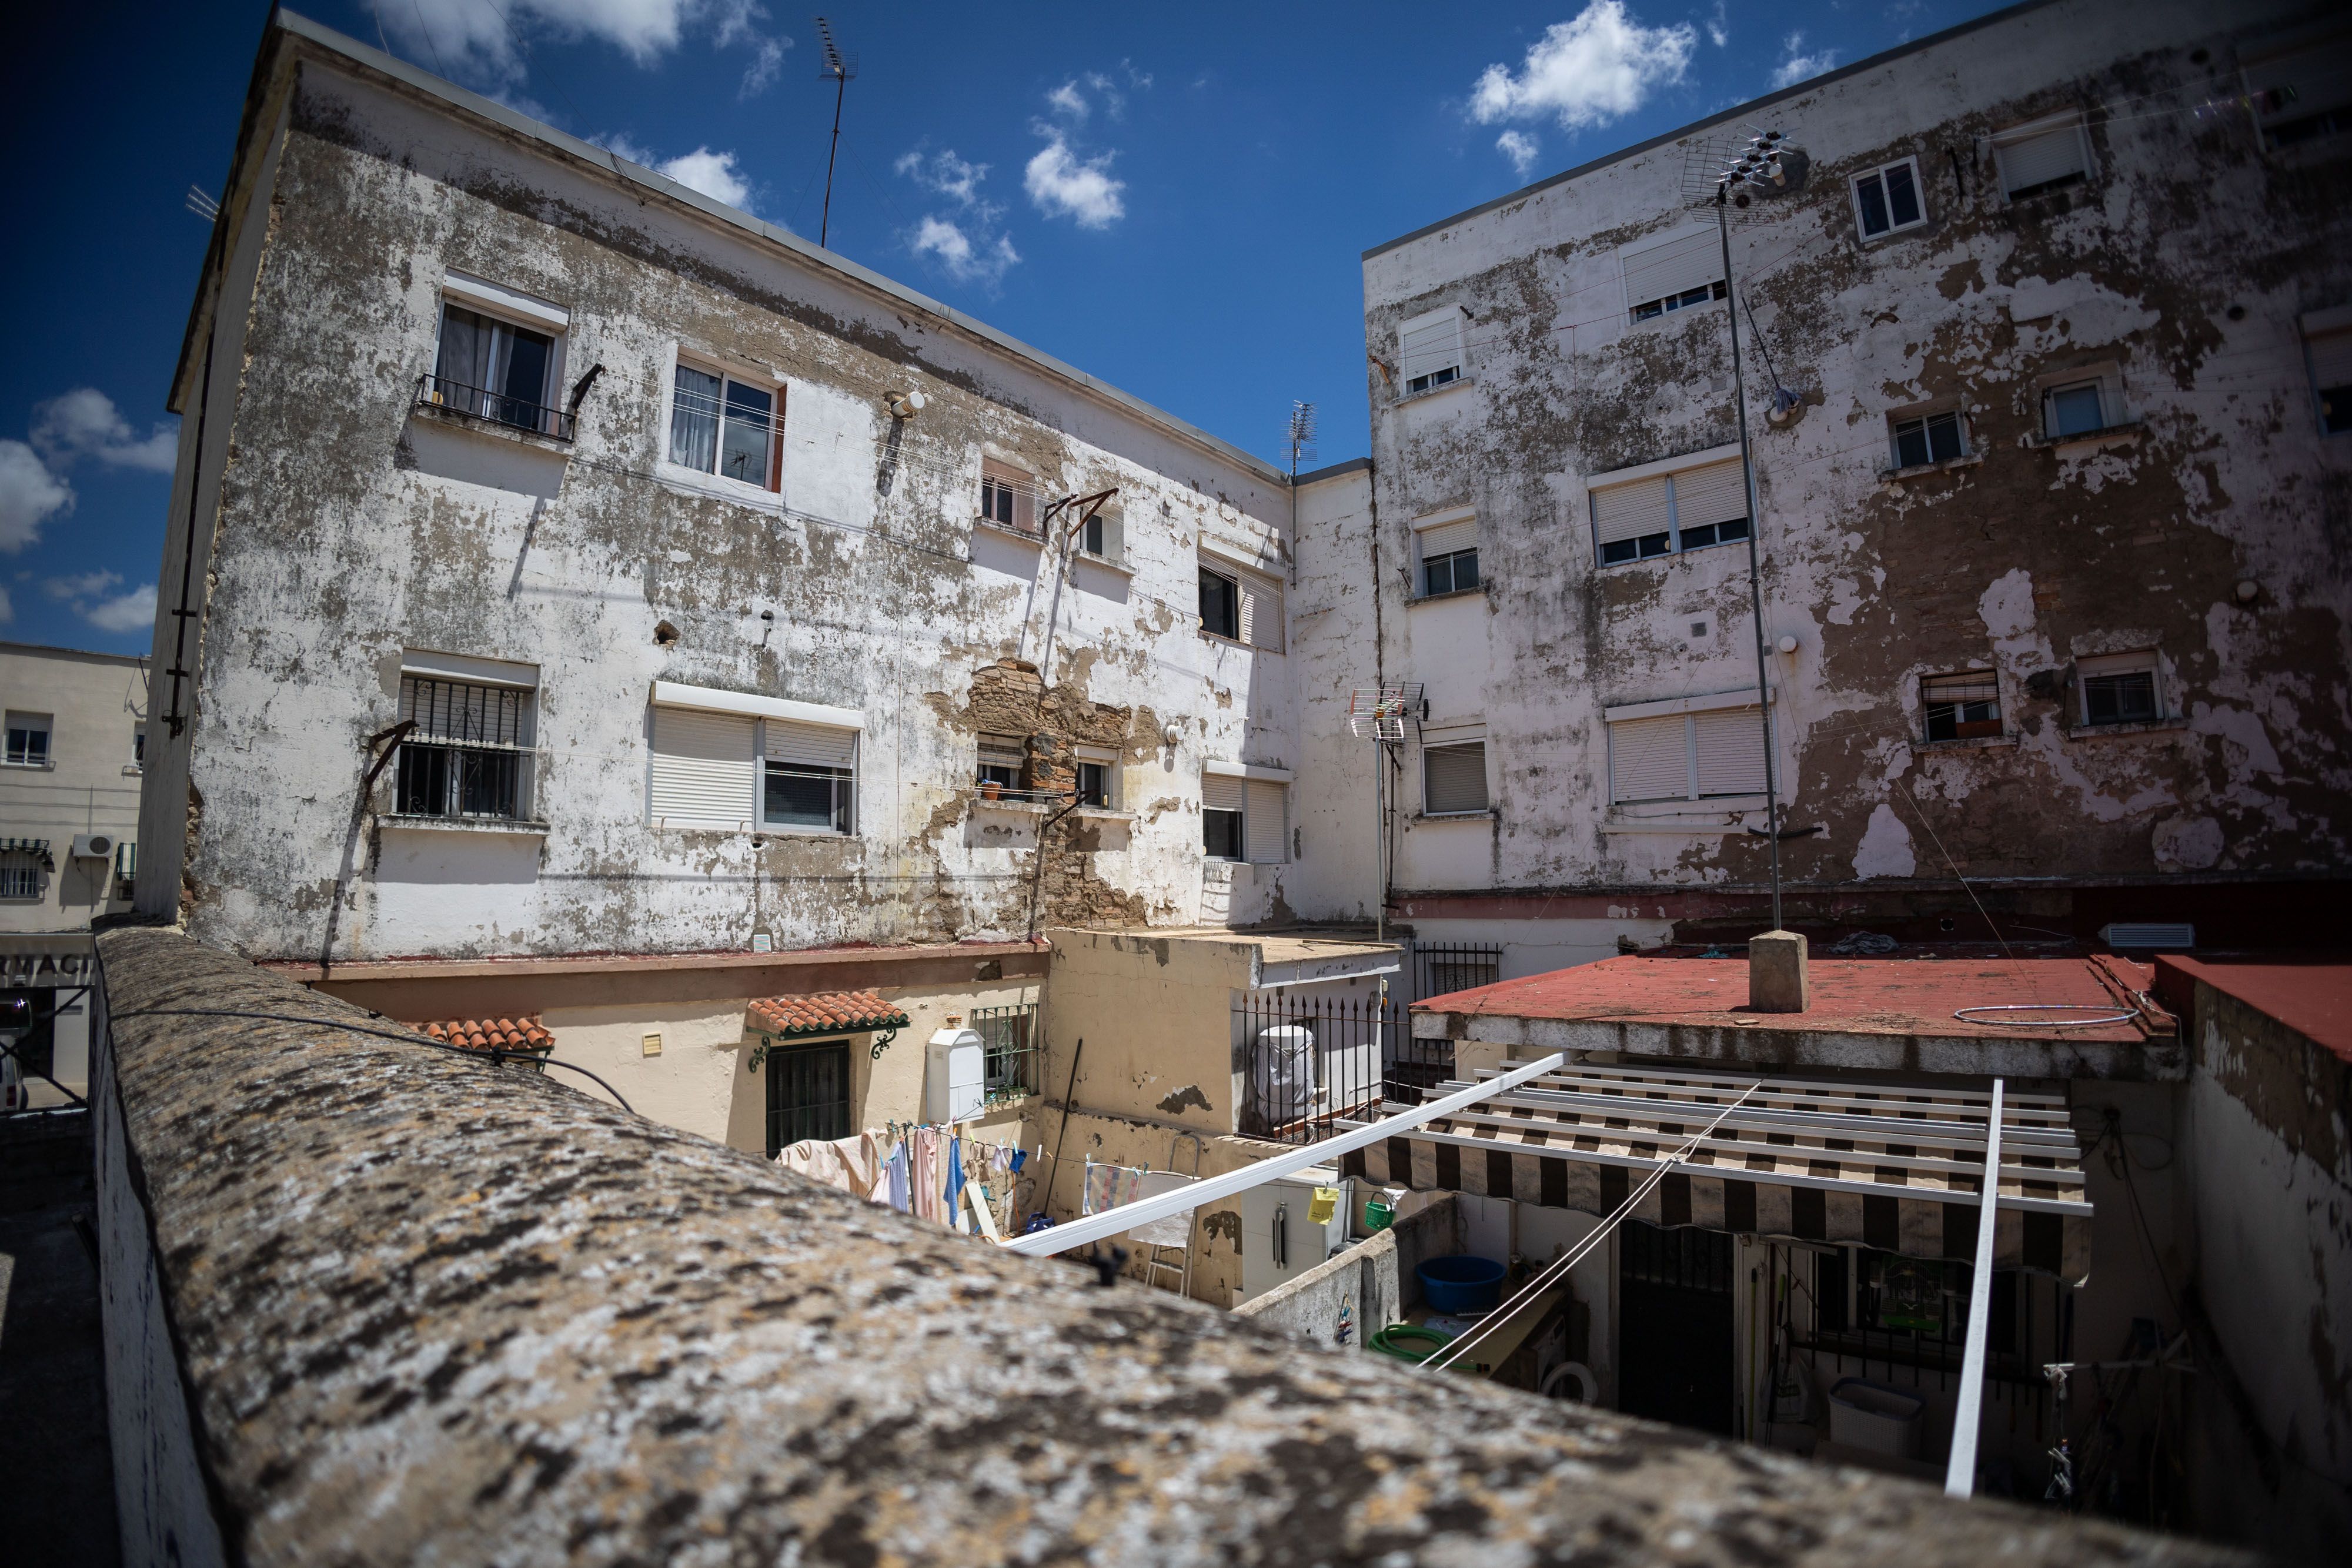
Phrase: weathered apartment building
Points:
(2045, 360)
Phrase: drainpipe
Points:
(174, 720)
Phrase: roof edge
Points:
(1736, 111)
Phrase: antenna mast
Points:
(837, 68)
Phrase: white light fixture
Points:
(1788, 642)
(1171, 734)
(905, 405)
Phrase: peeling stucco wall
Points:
(2180, 266)
(348, 529)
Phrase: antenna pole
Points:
(1755, 567)
(840, 71)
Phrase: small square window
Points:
(1960, 708)
(2075, 408)
(727, 427)
(1221, 834)
(1220, 612)
(1450, 573)
(497, 371)
(1930, 438)
(2120, 688)
(28, 739)
(1093, 784)
(1008, 497)
(1886, 199)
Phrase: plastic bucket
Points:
(1461, 1283)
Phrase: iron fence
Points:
(1011, 1053)
(1416, 1067)
(482, 402)
(1308, 1060)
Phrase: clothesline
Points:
(915, 1168)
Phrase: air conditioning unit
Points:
(93, 846)
(2132, 934)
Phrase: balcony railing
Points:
(479, 402)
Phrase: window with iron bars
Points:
(1449, 966)
(470, 755)
(1011, 1054)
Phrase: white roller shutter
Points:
(1453, 778)
(1261, 611)
(1629, 511)
(1729, 746)
(1714, 494)
(1223, 792)
(704, 769)
(1649, 758)
(2331, 359)
(1428, 344)
(1447, 537)
(2036, 159)
(809, 745)
(1264, 829)
(1660, 269)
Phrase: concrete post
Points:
(1775, 973)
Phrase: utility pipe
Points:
(1960, 1470)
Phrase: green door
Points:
(808, 1093)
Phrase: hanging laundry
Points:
(895, 1174)
(954, 1190)
(1107, 1187)
(853, 1165)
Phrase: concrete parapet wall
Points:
(1368, 1285)
(430, 1310)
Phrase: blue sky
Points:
(1173, 198)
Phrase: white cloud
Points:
(712, 173)
(84, 423)
(481, 41)
(945, 174)
(88, 585)
(1585, 72)
(124, 613)
(30, 496)
(1062, 184)
(1718, 26)
(1520, 148)
(966, 258)
(1067, 100)
(1800, 65)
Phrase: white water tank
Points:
(1282, 1079)
(955, 1070)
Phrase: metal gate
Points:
(1413, 1066)
(1307, 1060)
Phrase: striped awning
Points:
(36, 847)
(1895, 1168)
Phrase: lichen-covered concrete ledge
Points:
(438, 1312)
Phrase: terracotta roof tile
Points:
(825, 1012)
(486, 1034)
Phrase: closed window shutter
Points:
(1223, 792)
(703, 773)
(1114, 538)
(1976, 687)
(1682, 262)
(1729, 743)
(1453, 778)
(1431, 346)
(810, 745)
(1447, 538)
(1264, 828)
(2331, 359)
(1714, 494)
(1629, 511)
(2034, 160)
(1649, 758)
(1261, 611)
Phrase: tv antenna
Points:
(837, 68)
(1386, 715)
(1301, 436)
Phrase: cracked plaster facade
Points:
(2180, 267)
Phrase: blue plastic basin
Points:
(1461, 1283)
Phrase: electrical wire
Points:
(408, 1037)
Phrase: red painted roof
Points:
(2312, 997)
(1897, 995)
(827, 1013)
(483, 1034)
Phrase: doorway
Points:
(808, 1093)
(1674, 1349)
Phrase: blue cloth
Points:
(955, 1177)
(897, 1172)
(1020, 1157)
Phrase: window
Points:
(739, 762)
(2120, 688)
(2303, 92)
(727, 427)
(2074, 408)
(1103, 538)
(1244, 819)
(496, 369)
(2327, 340)
(469, 754)
(1687, 755)
(1242, 606)
(1098, 778)
(808, 777)
(20, 874)
(1001, 759)
(1672, 272)
(1009, 1050)
(1960, 708)
(28, 739)
(1928, 438)
(139, 746)
(1008, 497)
(1688, 509)
(1429, 350)
(1453, 778)
(808, 1093)
(1886, 199)
(2045, 156)
(1449, 556)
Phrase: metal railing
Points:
(28, 1051)
(480, 402)
(1416, 1067)
(1013, 1054)
(1310, 1060)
